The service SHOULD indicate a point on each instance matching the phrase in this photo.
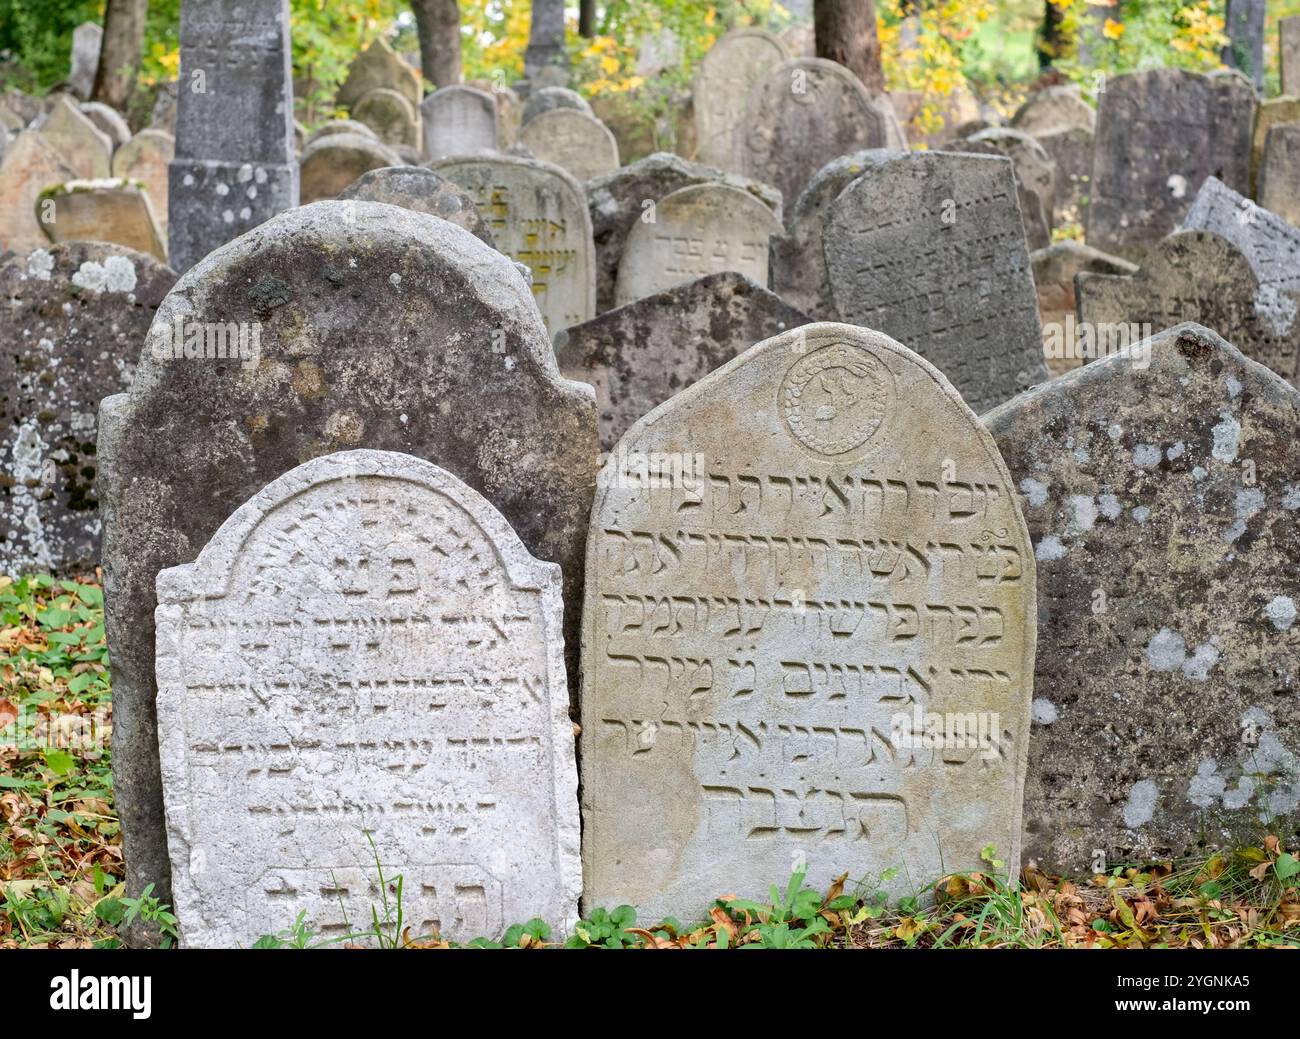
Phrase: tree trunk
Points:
(120, 52)
(545, 38)
(846, 32)
(587, 19)
(437, 23)
(1052, 40)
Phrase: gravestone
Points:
(84, 147)
(805, 112)
(639, 355)
(329, 164)
(414, 187)
(1054, 270)
(74, 318)
(234, 165)
(360, 325)
(163, 115)
(1071, 150)
(1270, 244)
(781, 584)
(10, 120)
(391, 116)
(538, 217)
(1288, 33)
(1276, 111)
(86, 40)
(1160, 133)
(574, 141)
(378, 67)
(1056, 107)
(112, 210)
(547, 99)
(618, 201)
(697, 230)
(297, 748)
(1035, 176)
(333, 126)
(29, 166)
(107, 121)
(1161, 501)
(727, 74)
(1198, 276)
(928, 247)
(459, 121)
(1244, 22)
(510, 113)
(145, 157)
(1279, 176)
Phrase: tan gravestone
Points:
(1055, 108)
(726, 76)
(796, 567)
(391, 116)
(375, 67)
(698, 230)
(538, 216)
(114, 210)
(1279, 174)
(510, 114)
(1288, 33)
(30, 165)
(1054, 271)
(459, 121)
(1276, 111)
(329, 164)
(84, 147)
(144, 158)
(334, 126)
(574, 141)
(108, 120)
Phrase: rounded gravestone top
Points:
(547, 99)
(329, 164)
(420, 189)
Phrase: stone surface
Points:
(1054, 271)
(1279, 175)
(391, 330)
(414, 187)
(111, 210)
(618, 203)
(86, 40)
(1198, 276)
(1071, 150)
(379, 66)
(1244, 24)
(459, 121)
(329, 164)
(1162, 502)
(145, 157)
(30, 165)
(1160, 133)
(639, 355)
(71, 322)
(295, 749)
(108, 121)
(697, 230)
(1035, 176)
(391, 116)
(538, 216)
(333, 126)
(1057, 107)
(1288, 32)
(234, 165)
(726, 75)
(572, 140)
(805, 112)
(163, 116)
(1276, 111)
(510, 113)
(84, 147)
(763, 625)
(1270, 244)
(928, 247)
(547, 99)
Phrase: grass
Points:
(61, 857)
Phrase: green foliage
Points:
(605, 929)
(36, 40)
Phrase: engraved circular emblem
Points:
(834, 399)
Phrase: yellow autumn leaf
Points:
(1112, 30)
(609, 64)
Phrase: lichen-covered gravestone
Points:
(113, 210)
(30, 165)
(805, 112)
(1270, 243)
(1160, 133)
(697, 230)
(1196, 276)
(574, 141)
(145, 158)
(364, 666)
(639, 355)
(71, 322)
(360, 325)
(414, 187)
(459, 121)
(538, 216)
(796, 567)
(1164, 503)
(726, 75)
(929, 248)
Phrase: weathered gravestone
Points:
(1162, 500)
(414, 187)
(697, 230)
(1056, 107)
(1054, 271)
(299, 747)
(83, 145)
(114, 210)
(391, 116)
(1270, 244)
(1288, 40)
(547, 99)
(234, 165)
(1160, 133)
(510, 113)
(145, 157)
(1244, 22)
(459, 121)
(929, 248)
(574, 141)
(1279, 175)
(329, 164)
(360, 325)
(1196, 276)
(86, 40)
(619, 200)
(784, 589)
(805, 112)
(538, 216)
(378, 67)
(333, 126)
(163, 115)
(30, 165)
(727, 74)
(73, 318)
(107, 121)
(1035, 175)
(1071, 150)
(1276, 111)
(639, 355)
